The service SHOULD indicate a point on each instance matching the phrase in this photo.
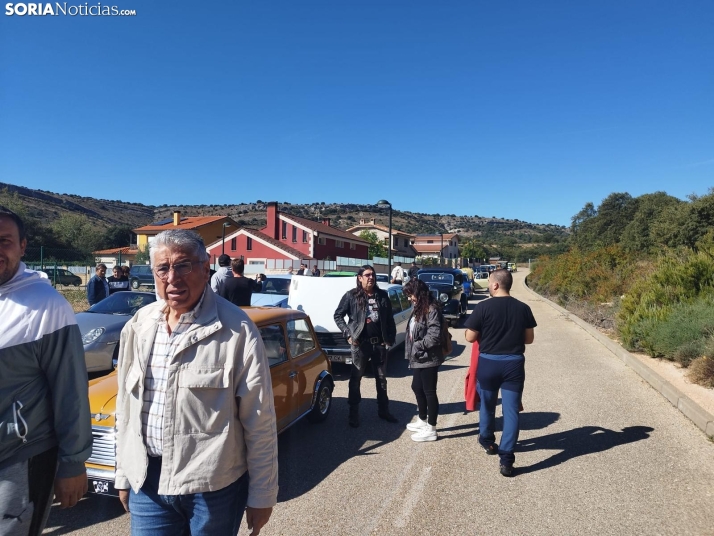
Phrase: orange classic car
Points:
(302, 386)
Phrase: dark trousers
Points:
(377, 354)
(424, 387)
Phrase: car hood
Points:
(268, 300)
(441, 287)
(102, 399)
(89, 321)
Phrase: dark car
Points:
(141, 275)
(447, 286)
(60, 276)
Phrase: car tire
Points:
(135, 284)
(323, 403)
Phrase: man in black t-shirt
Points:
(238, 289)
(502, 326)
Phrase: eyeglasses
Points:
(370, 275)
(181, 269)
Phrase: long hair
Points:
(424, 299)
(358, 292)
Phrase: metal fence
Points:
(44, 256)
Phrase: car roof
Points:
(279, 276)
(267, 315)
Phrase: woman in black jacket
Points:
(424, 352)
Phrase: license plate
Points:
(101, 486)
(340, 359)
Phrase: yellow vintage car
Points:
(302, 386)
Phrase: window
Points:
(322, 240)
(294, 234)
(274, 341)
(406, 304)
(285, 231)
(304, 237)
(353, 246)
(233, 244)
(386, 241)
(300, 337)
(248, 243)
(339, 244)
(396, 303)
(429, 241)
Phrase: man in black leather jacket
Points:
(370, 329)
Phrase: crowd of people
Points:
(191, 367)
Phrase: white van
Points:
(319, 298)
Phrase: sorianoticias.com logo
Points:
(61, 8)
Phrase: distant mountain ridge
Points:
(49, 206)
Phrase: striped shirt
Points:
(157, 373)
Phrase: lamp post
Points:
(223, 238)
(441, 251)
(385, 203)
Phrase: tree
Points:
(473, 250)
(77, 232)
(116, 236)
(376, 246)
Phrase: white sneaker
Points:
(417, 425)
(428, 433)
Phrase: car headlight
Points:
(443, 297)
(92, 335)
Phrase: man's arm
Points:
(90, 291)
(472, 336)
(343, 309)
(529, 335)
(62, 360)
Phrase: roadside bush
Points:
(701, 371)
(77, 298)
(675, 279)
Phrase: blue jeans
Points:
(214, 513)
(506, 373)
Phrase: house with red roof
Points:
(401, 241)
(290, 237)
(444, 245)
(209, 228)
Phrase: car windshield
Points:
(123, 303)
(276, 286)
(438, 277)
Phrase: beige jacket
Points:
(219, 420)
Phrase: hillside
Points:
(49, 206)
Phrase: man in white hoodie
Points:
(44, 410)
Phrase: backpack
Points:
(446, 346)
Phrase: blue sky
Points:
(521, 109)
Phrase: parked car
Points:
(446, 285)
(301, 376)
(381, 278)
(61, 276)
(319, 297)
(274, 292)
(512, 267)
(102, 323)
(141, 275)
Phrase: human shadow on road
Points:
(92, 509)
(578, 442)
(308, 454)
(534, 420)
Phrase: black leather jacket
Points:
(358, 315)
(423, 345)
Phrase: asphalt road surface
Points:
(600, 452)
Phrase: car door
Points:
(306, 360)
(399, 318)
(281, 372)
(407, 308)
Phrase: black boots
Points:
(354, 416)
(384, 414)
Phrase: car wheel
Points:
(135, 284)
(323, 403)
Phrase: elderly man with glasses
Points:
(370, 329)
(195, 414)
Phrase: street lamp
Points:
(385, 203)
(441, 251)
(223, 238)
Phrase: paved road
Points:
(600, 453)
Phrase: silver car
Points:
(102, 323)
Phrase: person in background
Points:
(369, 329)
(301, 271)
(413, 269)
(502, 326)
(424, 351)
(125, 270)
(260, 279)
(98, 286)
(239, 289)
(195, 414)
(46, 431)
(397, 276)
(223, 273)
(117, 281)
(315, 271)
